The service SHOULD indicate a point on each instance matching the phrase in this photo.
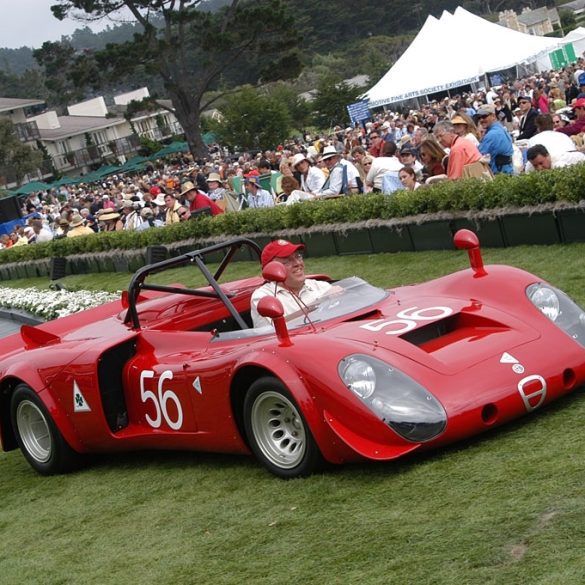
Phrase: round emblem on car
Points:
(518, 368)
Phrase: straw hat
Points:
(214, 177)
(108, 215)
(188, 186)
(458, 120)
(76, 220)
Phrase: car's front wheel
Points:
(37, 435)
(277, 432)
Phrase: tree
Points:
(298, 109)
(252, 121)
(568, 21)
(81, 70)
(29, 84)
(191, 48)
(14, 154)
(331, 100)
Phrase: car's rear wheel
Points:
(37, 435)
(277, 432)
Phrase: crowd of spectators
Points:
(533, 124)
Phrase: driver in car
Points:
(297, 291)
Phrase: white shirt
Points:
(567, 159)
(45, 235)
(563, 151)
(311, 291)
(314, 180)
(380, 166)
(554, 142)
(262, 198)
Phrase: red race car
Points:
(365, 373)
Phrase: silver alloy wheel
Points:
(278, 429)
(34, 431)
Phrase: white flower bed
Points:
(51, 304)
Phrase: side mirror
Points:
(465, 240)
(272, 308)
(468, 240)
(274, 272)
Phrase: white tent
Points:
(577, 38)
(455, 50)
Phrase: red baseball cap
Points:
(252, 176)
(279, 249)
(580, 103)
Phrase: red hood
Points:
(447, 335)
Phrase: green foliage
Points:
(56, 60)
(252, 121)
(148, 146)
(15, 154)
(331, 99)
(31, 83)
(299, 110)
(568, 21)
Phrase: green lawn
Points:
(506, 508)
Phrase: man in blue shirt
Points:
(496, 142)
(257, 197)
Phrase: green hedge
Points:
(561, 185)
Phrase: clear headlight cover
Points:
(359, 376)
(404, 405)
(559, 308)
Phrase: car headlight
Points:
(404, 405)
(359, 376)
(559, 308)
(546, 300)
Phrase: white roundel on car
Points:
(79, 402)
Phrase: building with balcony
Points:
(85, 137)
(18, 112)
(91, 134)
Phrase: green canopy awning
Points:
(32, 188)
(106, 170)
(134, 164)
(65, 181)
(172, 148)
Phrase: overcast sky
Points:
(29, 23)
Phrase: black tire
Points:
(277, 431)
(38, 437)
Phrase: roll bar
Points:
(229, 249)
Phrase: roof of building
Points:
(8, 104)
(574, 5)
(532, 17)
(74, 125)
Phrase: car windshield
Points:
(349, 295)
